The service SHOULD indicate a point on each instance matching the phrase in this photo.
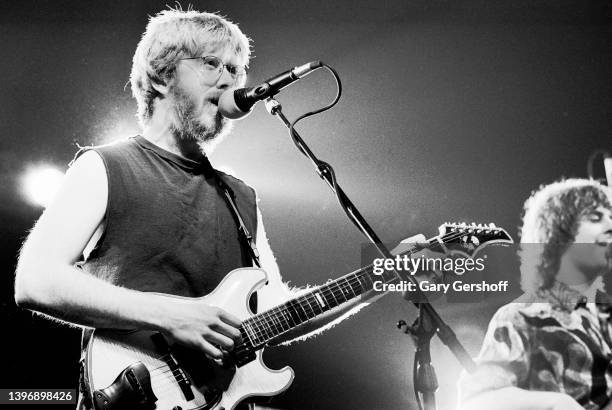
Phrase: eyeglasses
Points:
(213, 68)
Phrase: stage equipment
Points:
(238, 103)
(429, 321)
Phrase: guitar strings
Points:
(267, 324)
(263, 332)
(163, 387)
(272, 314)
(335, 289)
(328, 291)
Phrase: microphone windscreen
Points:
(228, 108)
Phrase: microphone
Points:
(235, 104)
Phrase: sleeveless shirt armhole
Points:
(257, 210)
(107, 212)
(255, 199)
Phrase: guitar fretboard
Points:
(265, 326)
(262, 328)
(269, 324)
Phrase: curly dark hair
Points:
(550, 221)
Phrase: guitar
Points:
(136, 369)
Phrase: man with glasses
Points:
(146, 215)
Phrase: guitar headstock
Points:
(471, 238)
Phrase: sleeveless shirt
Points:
(168, 227)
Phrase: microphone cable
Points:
(326, 168)
(322, 166)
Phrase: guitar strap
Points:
(244, 233)
(230, 199)
(246, 237)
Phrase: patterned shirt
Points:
(549, 341)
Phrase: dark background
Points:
(451, 111)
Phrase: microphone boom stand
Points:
(429, 321)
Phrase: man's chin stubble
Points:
(206, 137)
(223, 127)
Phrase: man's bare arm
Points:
(47, 281)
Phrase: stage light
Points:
(41, 183)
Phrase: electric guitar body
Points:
(111, 352)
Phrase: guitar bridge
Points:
(179, 375)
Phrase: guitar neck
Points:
(265, 326)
